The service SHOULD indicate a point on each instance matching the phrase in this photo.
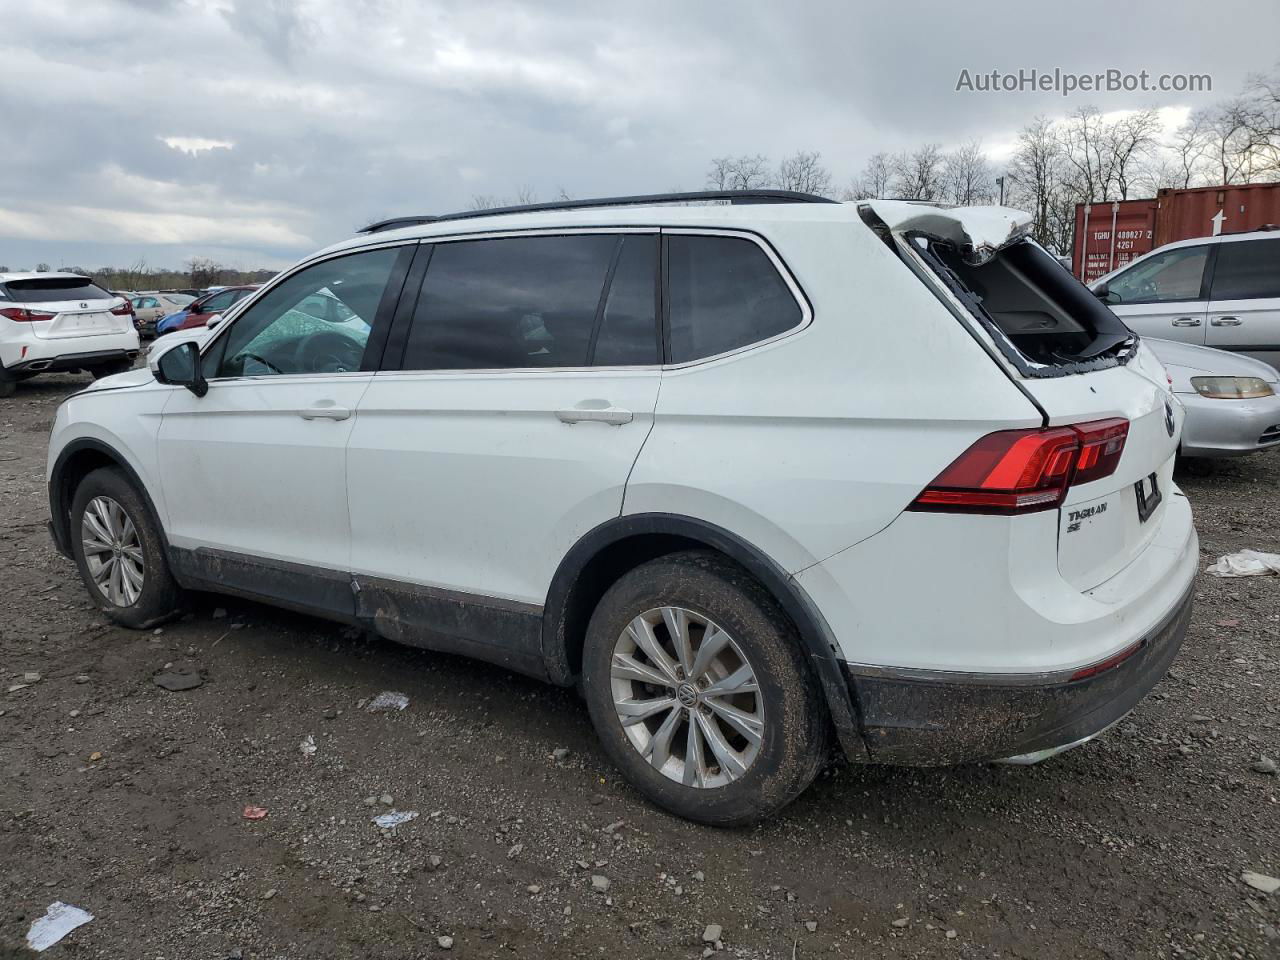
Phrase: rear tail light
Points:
(1021, 471)
(124, 310)
(23, 315)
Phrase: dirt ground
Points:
(127, 799)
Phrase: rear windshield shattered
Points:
(50, 289)
(1040, 315)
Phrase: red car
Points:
(219, 301)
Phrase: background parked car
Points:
(149, 307)
(1231, 400)
(1219, 292)
(197, 314)
(61, 322)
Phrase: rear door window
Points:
(1170, 276)
(52, 289)
(628, 332)
(724, 293)
(1247, 270)
(510, 303)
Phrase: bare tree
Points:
(484, 201)
(918, 175)
(525, 195)
(747, 172)
(1036, 178)
(967, 177)
(803, 171)
(1130, 141)
(1190, 149)
(875, 180)
(204, 271)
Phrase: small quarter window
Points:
(724, 293)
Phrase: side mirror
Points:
(213, 321)
(181, 367)
(1103, 292)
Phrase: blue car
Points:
(170, 321)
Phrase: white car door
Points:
(254, 472)
(1162, 294)
(1244, 298)
(501, 432)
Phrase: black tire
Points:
(110, 369)
(795, 740)
(8, 387)
(160, 596)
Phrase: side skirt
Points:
(503, 632)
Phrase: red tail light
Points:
(23, 315)
(1021, 471)
(124, 310)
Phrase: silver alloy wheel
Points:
(687, 697)
(112, 551)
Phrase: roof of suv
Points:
(656, 213)
(46, 275)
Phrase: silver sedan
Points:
(1232, 401)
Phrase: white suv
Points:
(61, 322)
(763, 477)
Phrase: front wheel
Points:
(119, 551)
(699, 690)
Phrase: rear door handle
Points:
(1225, 321)
(612, 415)
(325, 412)
(1187, 322)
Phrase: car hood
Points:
(977, 232)
(1192, 360)
(136, 377)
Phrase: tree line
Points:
(200, 272)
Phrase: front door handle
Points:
(1187, 322)
(616, 416)
(325, 412)
(1225, 321)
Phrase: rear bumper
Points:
(73, 361)
(1229, 428)
(927, 718)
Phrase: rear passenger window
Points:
(629, 328)
(509, 303)
(1247, 270)
(725, 293)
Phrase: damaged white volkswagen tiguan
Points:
(768, 478)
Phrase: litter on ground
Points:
(395, 818)
(308, 746)
(1245, 563)
(387, 700)
(59, 920)
(255, 813)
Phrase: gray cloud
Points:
(339, 112)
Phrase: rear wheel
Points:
(700, 693)
(119, 551)
(8, 387)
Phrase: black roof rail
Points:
(732, 196)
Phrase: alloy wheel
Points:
(687, 697)
(112, 551)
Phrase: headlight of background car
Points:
(1231, 388)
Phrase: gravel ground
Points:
(128, 800)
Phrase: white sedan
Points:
(1232, 401)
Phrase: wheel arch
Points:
(76, 461)
(608, 551)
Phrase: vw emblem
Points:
(687, 694)
(1168, 418)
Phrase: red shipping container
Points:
(1110, 234)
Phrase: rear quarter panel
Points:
(811, 443)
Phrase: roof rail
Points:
(732, 196)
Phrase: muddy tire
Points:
(119, 551)
(699, 691)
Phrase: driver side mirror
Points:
(181, 366)
(1103, 292)
(213, 321)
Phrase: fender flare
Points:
(60, 497)
(815, 633)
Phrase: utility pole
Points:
(1000, 181)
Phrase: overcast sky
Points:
(254, 131)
